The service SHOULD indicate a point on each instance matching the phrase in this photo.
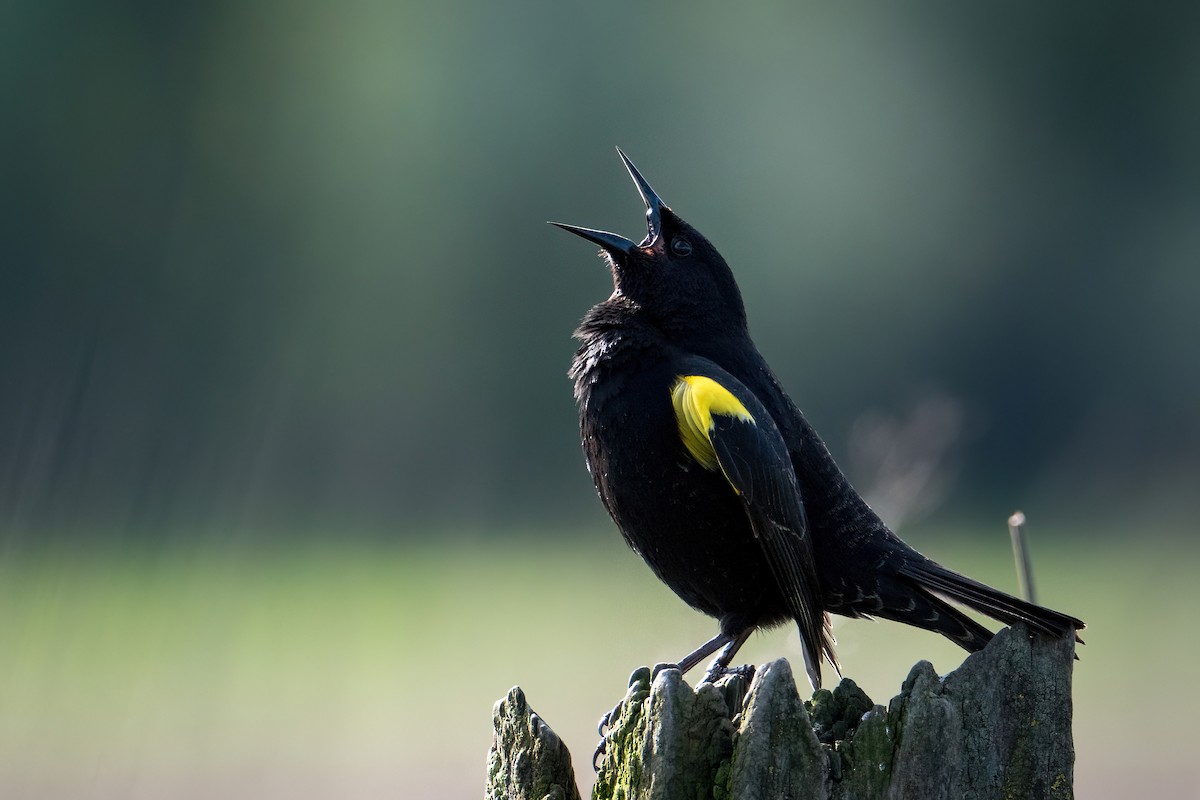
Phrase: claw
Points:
(717, 671)
(609, 716)
(605, 723)
(601, 751)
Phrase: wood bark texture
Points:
(996, 728)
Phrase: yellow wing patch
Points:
(696, 399)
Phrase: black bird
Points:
(720, 484)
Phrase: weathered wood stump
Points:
(998, 727)
(527, 759)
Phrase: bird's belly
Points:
(691, 529)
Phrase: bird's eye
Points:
(681, 246)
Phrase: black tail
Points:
(935, 578)
(922, 609)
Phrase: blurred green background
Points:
(290, 490)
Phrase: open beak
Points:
(611, 242)
(654, 203)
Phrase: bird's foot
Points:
(608, 717)
(601, 750)
(659, 668)
(603, 728)
(639, 690)
(717, 671)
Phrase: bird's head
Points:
(676, 277)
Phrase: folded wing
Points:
(726, 429)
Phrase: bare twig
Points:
(1016, 529)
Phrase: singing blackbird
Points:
(720, 484)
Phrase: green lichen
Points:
(527, 759)
(866, 757)
(1061, 789)
(998, 727)
(620, 775)
(835, 714)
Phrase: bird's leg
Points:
(704, 651)
(720, 665)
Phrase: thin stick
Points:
(1016, 529)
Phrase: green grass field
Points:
(370, 670)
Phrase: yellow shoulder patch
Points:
(696, 399)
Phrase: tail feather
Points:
(814, 650)
(1004, 607)
(930, 612)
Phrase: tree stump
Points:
(527, 759)
(996, 728)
